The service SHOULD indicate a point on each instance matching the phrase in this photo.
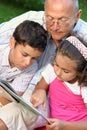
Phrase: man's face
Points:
(60, 18)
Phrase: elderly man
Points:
(61, 18)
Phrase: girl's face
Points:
(65, 68)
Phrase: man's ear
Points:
(79, 14)
(12, 42)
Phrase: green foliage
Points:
(28, 4)
(9, 10)
(32, 4)
(83, 6)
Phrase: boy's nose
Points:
(28, 61)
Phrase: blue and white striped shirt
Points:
(19, 79)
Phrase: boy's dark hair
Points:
(31, 33)
(67, 49)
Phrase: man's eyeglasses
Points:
(60, 21)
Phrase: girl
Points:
(66, 80)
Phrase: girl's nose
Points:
(58, 72)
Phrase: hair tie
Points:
(80, 46)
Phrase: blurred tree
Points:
(28, 4)
(32, 4)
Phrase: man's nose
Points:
(55, 25)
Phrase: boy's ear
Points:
(12, 42)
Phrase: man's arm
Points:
(80, 30)
(7, 28)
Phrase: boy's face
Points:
(22, 56)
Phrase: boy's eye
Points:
(33, 58)
(23, 54)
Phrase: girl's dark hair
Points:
(32, 34)
(67, 49)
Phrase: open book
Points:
(9, 93)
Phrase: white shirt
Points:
(49, 75)
(7, 28)
(19, 79)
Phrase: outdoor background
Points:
(12, 8)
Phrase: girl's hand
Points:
(39, 97)
(55, 124)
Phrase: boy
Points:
(17, 60)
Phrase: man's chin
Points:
(56, 37)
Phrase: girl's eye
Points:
(56, 65)
(66, 71)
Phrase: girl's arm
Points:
(63, 125)
(39, 94)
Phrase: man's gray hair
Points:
(76, 5)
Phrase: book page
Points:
(5, 94)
